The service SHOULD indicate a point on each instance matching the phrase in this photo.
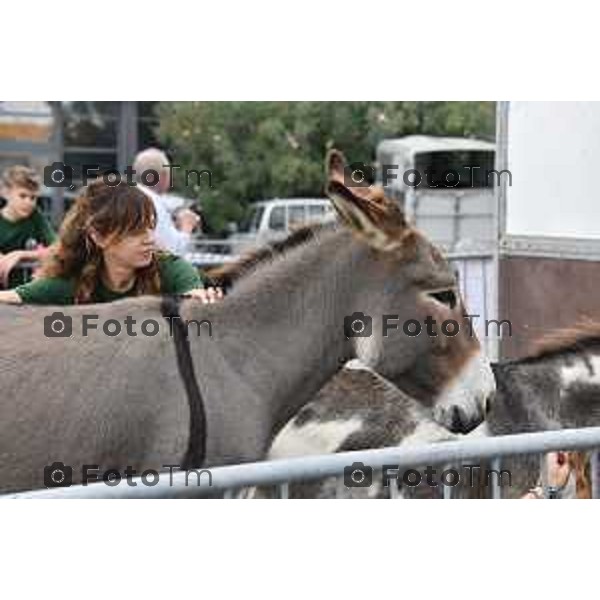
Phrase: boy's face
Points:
(21, 200)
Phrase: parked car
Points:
(267, 221)
(275, 219)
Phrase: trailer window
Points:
(474, 169)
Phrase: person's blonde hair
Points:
(580, 464)
(21, 176)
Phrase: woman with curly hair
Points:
(106, 251)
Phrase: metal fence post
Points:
(594, 466)
(283, 491)
(447, 489)
(496, 465)
(394, 491)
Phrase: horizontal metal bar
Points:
(309, 468)
(562, 247)
(452, 216)
(474, 255)
(90, 150)
(198, 242)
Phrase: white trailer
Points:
(548, 251)
(534, 256)
(454, 203)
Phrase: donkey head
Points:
(408, 321)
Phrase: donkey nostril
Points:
(456, 422)
(461, 423)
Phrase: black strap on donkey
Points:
(196, 450)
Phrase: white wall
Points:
(554, 157)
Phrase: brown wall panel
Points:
(541, 294)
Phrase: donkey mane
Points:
(580, 337)
(227, 274)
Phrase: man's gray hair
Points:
(150, 159)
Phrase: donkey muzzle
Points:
(459, 420)
(465, 403)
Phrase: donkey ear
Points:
(365, 210)
(334, 165)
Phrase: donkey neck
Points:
(557, 390)
(525, 398)
(280, 332)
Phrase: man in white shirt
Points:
(167, 236)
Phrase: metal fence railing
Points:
(26, 270)
(225, 481)
(207, 253)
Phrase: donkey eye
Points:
(447, 297)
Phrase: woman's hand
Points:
(206, 295)
(187, 220)
(10, 297)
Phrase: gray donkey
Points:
(557, 386)
(136, 402)
(357, 410)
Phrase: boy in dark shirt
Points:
(24, 232)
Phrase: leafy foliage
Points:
(260, 150)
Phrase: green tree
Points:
(260, 150)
